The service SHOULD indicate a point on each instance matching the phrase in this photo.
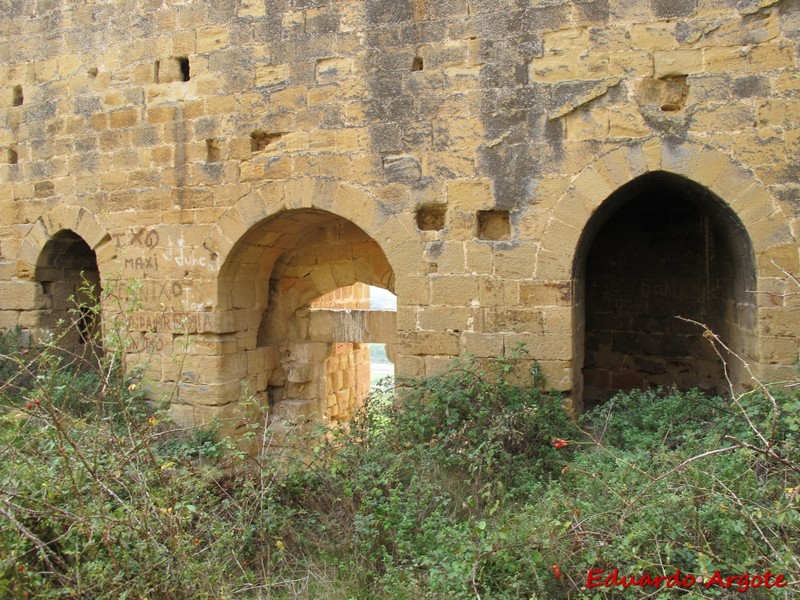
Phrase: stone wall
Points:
(240, 159)
(347, 369)
(347, 381)
(355, 296)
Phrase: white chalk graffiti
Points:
(178, 253)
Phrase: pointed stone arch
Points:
(263, 292)
(344, 200)
(64, 241)
(737, 186)
(73, 218)
(763, 220)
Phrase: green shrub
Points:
(422, 489)
(670, 484)
(473, 483)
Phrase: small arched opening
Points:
(659, 248)
(70, 282)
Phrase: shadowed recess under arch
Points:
(69, 277)
(660, 247)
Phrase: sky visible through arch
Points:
(380, 366)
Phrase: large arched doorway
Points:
(70, 282)
(270, 283)
(661, 247)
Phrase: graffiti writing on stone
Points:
(172, 294)
(153, 254)
(148, 344)
(178, 253)
(142, 263)
(173, 321)
(156, 291)
(142, 237)
(143, 241)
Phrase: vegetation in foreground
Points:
(481, 487)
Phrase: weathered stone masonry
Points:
(567, 174)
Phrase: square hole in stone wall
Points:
(171, 69)
(18, 96)
(259, 140)
(183, 65)
(430, 218)
(494, 225)
(673, 93)
(668, 93)
(213, 153)
(12, 157)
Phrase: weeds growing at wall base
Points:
(480, 487)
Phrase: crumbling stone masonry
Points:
(567, 174)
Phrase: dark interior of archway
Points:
(70, 280)
(663, 247)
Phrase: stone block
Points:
(444, 318)
(427, 343)
(779, 350)
(453, 291)
(332, 69)
(482, 345)
(626, 122)
(272, 75)
(470, 194)
(542, 347)
(124, 118)
(21, 295)
(517, 263)
(401, 168)
(670, 9)
(412, 290)
(514, 320)
(546, 294)
(211, 394)
(295, 411)
(724, 59)
(670, 63)
(210, 39)
(658, 35)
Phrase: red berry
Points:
(29, 406)
(556, 572)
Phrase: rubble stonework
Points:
(240, 159)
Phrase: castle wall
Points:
(453, 152)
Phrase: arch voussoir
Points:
(622, 165)
(745, 205)
(719, 173)
(77, 219)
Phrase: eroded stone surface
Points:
(240, 159)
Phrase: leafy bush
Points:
(677, 482)
(421, 489)
(471, 484)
